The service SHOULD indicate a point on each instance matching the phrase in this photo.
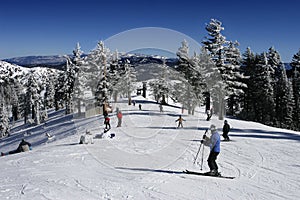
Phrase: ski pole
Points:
(200, 146)
(202, 158)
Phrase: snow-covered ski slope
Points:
(146, 159)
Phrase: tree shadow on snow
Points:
(264, 134)
(175, 127)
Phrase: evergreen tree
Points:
(161, 87)
(115, 73)
(233, 77)
(248, 100)
(215, 43)
(284, 100)
(97, 81)
(129, 79)
(275, 62)
(69, 82)
(183, 56)
(4, 122)
(33, 98)
(296, 89)
(265, 94)
(59, 90)
(184, 94)
(193, 74)
(80, 77)
(49, 94)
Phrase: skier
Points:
(226, 129)
(180, 120)
(23, 146)
(140, 106)
(119, 116)
(160, 107)
(209, 114)
(214, 143)
(87, 138)
(107, 122)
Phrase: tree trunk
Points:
(221, 107)
(79, 106)
(32, 112)
(37, 114)
(129, 98)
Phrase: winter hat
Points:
(213, 127)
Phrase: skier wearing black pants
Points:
(226, 129)
(214, 143)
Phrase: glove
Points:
(202, 141)
(204, 136)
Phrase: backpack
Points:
(25, 147)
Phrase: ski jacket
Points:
(119, 115)
(106, 120)
(180, 119)
(226, 128)
(214, 142)
(23, 146)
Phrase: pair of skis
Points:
(207, 174)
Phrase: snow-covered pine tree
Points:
(80, 78)
(275, 62)
(284, 100)
(4, 99)
(183, 56)
(184, 89)
(17, 92)
(183, 92)
(4, 122)
(208, 71)
(97, 63)
(233, 77)
(77, 53)
(193, 73)
(129, 79)
(265, 94)
(296, 89)
(161, 87)
(49, 94)
(33, 98)
(215, 44)
(11, 76)
(59, 90)
(248, 100)
(114, 75)
(69, 82)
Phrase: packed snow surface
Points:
(146, 158)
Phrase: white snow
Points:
(146, 158)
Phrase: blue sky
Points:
(54, 27)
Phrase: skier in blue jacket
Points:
(214, 143)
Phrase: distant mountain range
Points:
(136, 59)
(58, 62)
(39, 61)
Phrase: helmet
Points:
(213, 127)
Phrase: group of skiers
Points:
(213, 142)
(107, 120)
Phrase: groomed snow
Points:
(146, 158)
